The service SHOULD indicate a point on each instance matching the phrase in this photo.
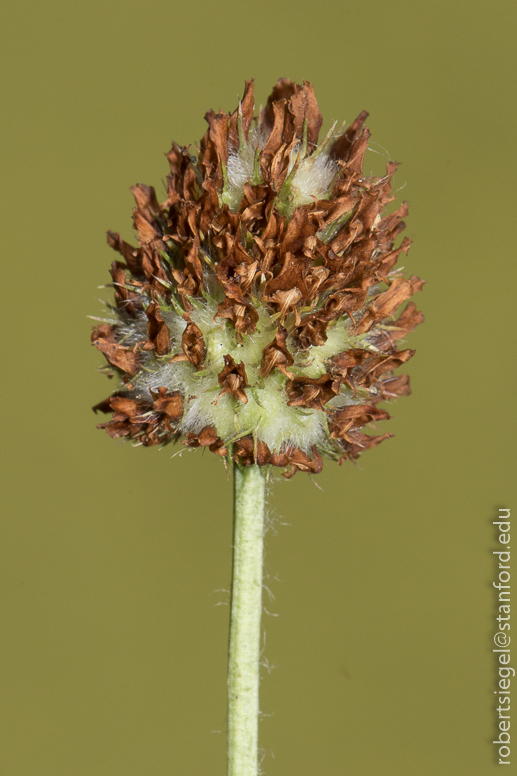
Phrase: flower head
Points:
(257, 317)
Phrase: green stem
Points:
(246, 609)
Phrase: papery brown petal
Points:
(297, 232)
(392, 224)
(376, 366)
(368, 210)
(357, 151)
(243, 316)
(409, 318)
(179, 158)
(157, 330)
(342, 145)
(276, 355)
(147, 231)
(191, 190)
(312, 332)
(313, 114)
(219, 136)
(103, 337)
(360, 442)
(385, 304)
(347, 235)
(274, 228)
(286, 300)
(170, 404)
(274, 140)
(118, 429)
(300, 461)
(209, 206)
(193, 344)
(347, 301)
(396, 386)
(104, 405)
(283, 90)
(246, 107)
(233, 380)
(251, 215)
(207, 437)
(248, 451)
(389, 260)
(146, 201)
(128, 300)
(193, 264)
(246, 273)
(132, 256)
(279, 459)
(125, 407)
(349, 359)
(293, 126)
(339, 206)
(417, 283)
(311, 392)
(353, 416)
(314, 278)
(187, 285)
(135, 419)
(383, 186)
(289, 276)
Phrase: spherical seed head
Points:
(257, 317)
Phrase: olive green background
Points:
(113, 559)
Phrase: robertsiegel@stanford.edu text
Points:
(502, 638)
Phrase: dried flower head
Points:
(257, 317)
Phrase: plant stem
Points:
(246, 609)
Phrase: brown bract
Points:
(311, 264)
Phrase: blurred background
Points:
(115, 562)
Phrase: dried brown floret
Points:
(170, 405)
(311, 392)
(159, 337)
(248, 451)
(193, 345)
(104, 339)
(233, 380)
(276, 355)
(207, 438)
